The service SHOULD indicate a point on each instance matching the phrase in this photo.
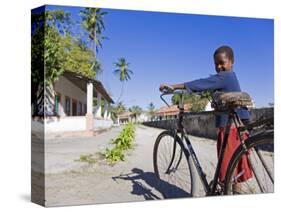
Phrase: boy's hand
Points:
(166, 87)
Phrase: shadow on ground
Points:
(139, 178)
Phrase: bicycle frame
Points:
(210, 189)
(232, 118)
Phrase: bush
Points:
(114, 154)
(124, 141)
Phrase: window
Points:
(79, 109)
(67, 106)
(74, 107)
(57, 104)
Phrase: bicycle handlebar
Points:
(166, 92)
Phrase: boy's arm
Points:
(173, 87)
(178, 86)
(213, 82)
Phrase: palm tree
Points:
(151, 110)
(93, 23)
(123, 72)
(136, 111)
(116, 110)
(96, 68)
(120, 108)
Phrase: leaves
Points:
(93, 23)
(136, 110)
(54, 50)
(118, 109)
(58, 51)
(124, 141)
(123, 70)
(78, 58)
(197, 103)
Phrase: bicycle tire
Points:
(168, 183)
(261, 143)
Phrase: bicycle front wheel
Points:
(173, 166)
(260, 156)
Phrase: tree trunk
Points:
(122, 88)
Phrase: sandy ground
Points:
(71, 182)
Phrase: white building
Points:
(209, 107)
(71, 103)
(143, 117)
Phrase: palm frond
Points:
(116, 71)
(130, 71)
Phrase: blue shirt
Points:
(225, 81)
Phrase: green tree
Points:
(37, 61)
(54, 50)
(123, 72)
(136, 111)
(197, 102)
(93, 23)
(46, 54)
(117, 109)
(77, 57)
(176, 98)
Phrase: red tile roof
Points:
(125, 115)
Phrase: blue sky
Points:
(175, 48)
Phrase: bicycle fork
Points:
(169, 170)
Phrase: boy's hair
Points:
(227, 50)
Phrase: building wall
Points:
(55, 124)
(66, 88)
(66, 124)
(142, 118)
(63, 123)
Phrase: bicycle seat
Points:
(228, 100)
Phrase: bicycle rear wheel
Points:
(260, 157)
(173, 167)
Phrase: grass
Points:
(88, 158)
(123, 142)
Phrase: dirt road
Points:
(72, 182)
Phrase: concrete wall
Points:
(102, 124)
(203, 124)
(65, 124)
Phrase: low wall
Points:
(102, 124)
(203, 123)
(65, 124)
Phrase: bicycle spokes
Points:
(260, 160)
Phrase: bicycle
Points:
(258, 148)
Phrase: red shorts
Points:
(243, 169)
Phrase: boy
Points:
(226, 81)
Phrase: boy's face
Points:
(223, 62)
